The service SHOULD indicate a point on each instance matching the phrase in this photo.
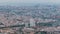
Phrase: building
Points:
(32, 22)
(28, 31)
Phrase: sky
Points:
(29, 1)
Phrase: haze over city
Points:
(29, 16)
(5, 2)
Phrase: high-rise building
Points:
(32, 22)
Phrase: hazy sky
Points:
(29, 1)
